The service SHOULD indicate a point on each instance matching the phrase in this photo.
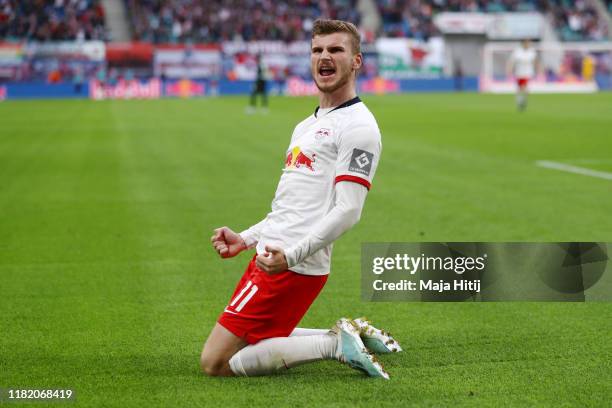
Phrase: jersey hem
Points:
(307, 274)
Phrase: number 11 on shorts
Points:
(242, 298)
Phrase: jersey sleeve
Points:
(358, 155)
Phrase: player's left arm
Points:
(358, 154)
(350, 198)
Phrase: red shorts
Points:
(265, 306)
(522, 82)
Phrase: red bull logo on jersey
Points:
(296, 158)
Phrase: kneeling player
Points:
(330, 163)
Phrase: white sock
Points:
(281, 353)
(298, 331)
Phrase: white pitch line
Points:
(574, 169)
(592, 161)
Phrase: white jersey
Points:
(524, 62)
(330, 146)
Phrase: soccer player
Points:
(522, 64)
(259, 88)
(329, 166)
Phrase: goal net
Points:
(562, 67)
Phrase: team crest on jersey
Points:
(323, 132)
(297, 158)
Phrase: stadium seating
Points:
(577, 21)
(573, 20)
(189, 20)
(217, 20)
(173, 21)
(52, 20)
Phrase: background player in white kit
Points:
(522, 64)
(329, 167)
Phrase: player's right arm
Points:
(251, 235)
(227, 243)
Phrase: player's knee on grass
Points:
(220, 346)
(215, 366)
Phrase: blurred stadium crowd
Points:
(222, 20)
(55, 20)
(200, 21)
(576, 21)
(216, 42)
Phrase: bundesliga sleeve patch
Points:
(361, 162)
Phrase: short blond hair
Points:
(324, 27)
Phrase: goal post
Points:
(563, 67)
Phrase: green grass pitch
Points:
(110, 286)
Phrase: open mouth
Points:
(327, 71)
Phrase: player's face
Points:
(332, 61)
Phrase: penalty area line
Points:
(573, 169)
